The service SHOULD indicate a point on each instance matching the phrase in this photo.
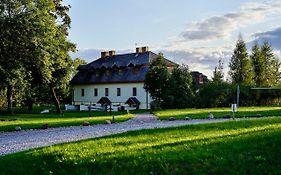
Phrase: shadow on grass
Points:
(254, 152)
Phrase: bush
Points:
(222, 94)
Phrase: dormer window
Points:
(120, 71)
(107, 72)
(136, 70)
(131, 64)
(114, 66)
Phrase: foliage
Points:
(34, 46)
(215, 94)
(179, 92)
(157, 78)
(240, 65)
(265, 65)
(217, 112)
(272, 65)
(218, 73)
(236, 147)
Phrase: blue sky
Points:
(196, 33)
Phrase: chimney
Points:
(111, 53)
(104, 54)
(138, 50)
(144, 49)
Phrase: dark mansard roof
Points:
(121, 68)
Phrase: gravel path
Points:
(11, 142)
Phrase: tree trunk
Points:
(55, 98)
(29, 104)
(10, 92)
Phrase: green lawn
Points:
(218, 112)
(234, 147)
(34, 121)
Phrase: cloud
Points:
(198, 60)
(220, 27)
(272, 36)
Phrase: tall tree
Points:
(265, 65)
(259, 66)
(179, 93)
(35, 43)
(272, 65)
(240, 65)
(218, 72)
(13, 45)
(157, 78)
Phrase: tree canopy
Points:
(34, 46)
(240, 65)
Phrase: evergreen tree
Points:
(259, 66)
(218, 72)
(272, 66)
(156, 79)
(240, 65)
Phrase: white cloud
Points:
(221, 27)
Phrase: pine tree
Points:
(259, 66)
(240, 65)
(272, 66)
(218, 72)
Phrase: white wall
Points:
(126, 92)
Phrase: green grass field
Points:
(235, 147)
(35, 121)
(218, 112)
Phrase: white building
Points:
(113, 79)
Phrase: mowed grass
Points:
(35, 121)
(235, 147)
(218, 112)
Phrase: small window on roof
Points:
(120, 71)
(108, 72)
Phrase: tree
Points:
(157, 78)
(272, 66)
(13, 45)
(179, 92)
(34, 42)
(218, 72)
(240, 65)
(259, 65)
(266, 66)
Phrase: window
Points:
(96, 92)
(118, 92)
(120, 72)
(106, 92)
(82, 92)
(134, 91)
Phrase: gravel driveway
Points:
(11, 142)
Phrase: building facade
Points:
(118, 79)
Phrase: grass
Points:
(218, 112)
(35, 121)
(235, 147)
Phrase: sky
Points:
(193, 32)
